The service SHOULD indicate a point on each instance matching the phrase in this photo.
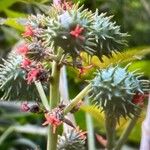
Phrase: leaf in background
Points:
(126, 56)
(4, 4)
(14, 14)
(94, 111)
(142, 65)
(12, 22)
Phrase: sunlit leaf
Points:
(14, 14)
(126, 56)
(142, 65)
(12, 22)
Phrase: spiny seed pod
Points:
(113, 89)
(72, 140)
(107, 35)
(73, 30)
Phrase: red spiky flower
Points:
(26, 63)
(29, 32)
(138, 98)
(84, 69)
(53, 120)
(77, 32)
(22, 49)
(33, 75)
(25, 106)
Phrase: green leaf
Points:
(143, 65)
(12, 22)
(4, 4)
(14, 14)
(94, 111)
(126, 56)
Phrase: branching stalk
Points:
(78, 98)
(126, 132)
(53, 102)
(42, 94)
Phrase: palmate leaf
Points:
(123, 57)
(94, 111)
(12, 80)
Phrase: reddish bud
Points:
(23, 49)
(26, 63)
(52, 119)
(77, 32)
(83, 70)
(33, 75)
(28, 32)
(138, 98)
(25, 106)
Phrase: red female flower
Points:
(138, 98)
(33, 75)
(77, 32)
(23, 49)
(83, 70)
(66, 5)
(25, 106)
(28, 32)
(26, 63)
(53, 120)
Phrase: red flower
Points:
(66, 5)
(77, 32)
(23, 49)
(25, 107)
(83, 70)
(28, 32)
(33, 75)
(52, 119)
(26, 63)
(138, 98)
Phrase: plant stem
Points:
(78, 98)
(110, 124)
(53, 101)
(42, 94)
(126, 132)
(90, 129)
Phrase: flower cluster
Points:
(54, 118)
(25, 107)
(33, 68)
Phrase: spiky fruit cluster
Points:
(12, 80)
(72, 140)
(114, 88)
(74, 30)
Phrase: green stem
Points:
(90, 129)
(53, 100)
(126, 133)
(42, 94)
(110, 124)
(78, 98)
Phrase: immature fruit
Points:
(113, 89)
(72, 140)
